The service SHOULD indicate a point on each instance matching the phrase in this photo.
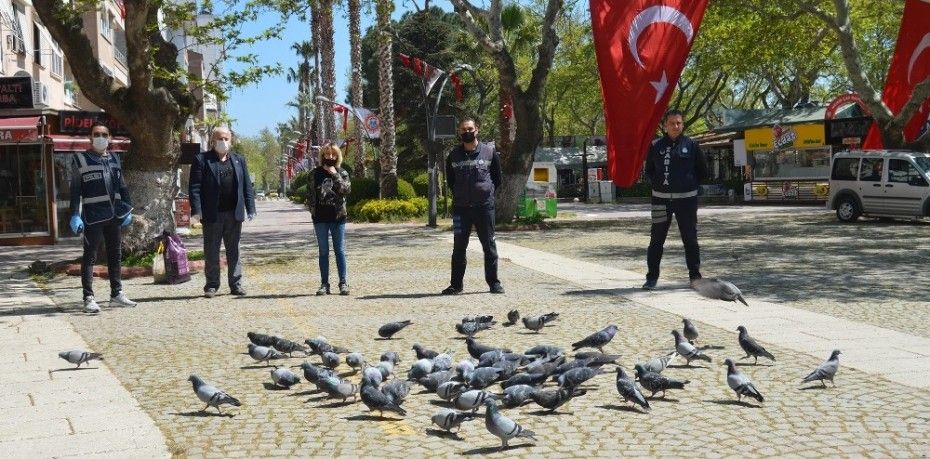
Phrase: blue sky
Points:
(264, 104)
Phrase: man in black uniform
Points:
(473, 173)
(675, 166)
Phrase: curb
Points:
(130, 272)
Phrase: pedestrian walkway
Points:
(894, 355)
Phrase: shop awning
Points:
(81, 143)
(18, 130)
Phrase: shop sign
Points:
(16, 92)
(79, 123)
(781, 137)
(842, 101)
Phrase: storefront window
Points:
(63, 192)
(811, 163)
(23, 205)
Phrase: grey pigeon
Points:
(397, 390)
(512, 317)
(375, 400)
(687, 350)
(529, 379)
(576, 377)
(448, 419)
(627, 389)
(554, 398)
(389, 330)
(471, 328)
(386, 367)
(753, 349)
(211, 395)
(475, 349)
(471, 400)
(289, 347)
(330, 360)
(442, 362)
(262, 340)
(319, 345)
(481, 377)
(338, 388)
(544, 350)
(740, 383)
(660, 363)
(424, 353)
(449, 390)
(689, 330)
(313, 373)
(419, 369)
(654, 382)
(508, 368)
(597, 340)
(717, 289)
(597, 358)
(478, 319)
(78, 357)
(432, 381)
(390, 356)
(264, 354)
(503, 427)
(534, 323)
(284, 378)
(355, 361)
(465, 366)
(826, 370)
(514, 396)
(567, 366)
(373, 374)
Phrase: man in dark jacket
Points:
(221, 196)
(100, 206)
(473, 173)
(675, 166)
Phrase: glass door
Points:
(23, 200)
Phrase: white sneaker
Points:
(122, 300)
(90, 305)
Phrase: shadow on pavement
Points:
(369, 417)
(815, 388)
(272, 296)
(628, 408)
(494, 449)
(734, 402)
(156, 299)
(204, 414)
(44, 310)
(73, 369)
(444, 434)
(401, 296)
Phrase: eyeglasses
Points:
(100, 134)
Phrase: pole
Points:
(584, 170)
(283, 170)
(431, 154)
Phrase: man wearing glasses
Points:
(100, 206)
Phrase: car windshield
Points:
(923, 162)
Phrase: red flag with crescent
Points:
(641, 48)
(910, 65)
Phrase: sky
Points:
(265, 104)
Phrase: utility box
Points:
(607, 191)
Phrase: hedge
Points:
(421, 183)
(362, 189)
(377, 210)
(405, 189)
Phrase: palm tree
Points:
(355, 40)
(386, 87)
(327, 64)
(319, 121)
(304, 50)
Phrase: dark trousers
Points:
(109, 233)
(685, 211)
(227, 231)
(463, 218)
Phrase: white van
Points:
(880, 183)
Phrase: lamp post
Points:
(431, 114)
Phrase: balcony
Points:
(120, 56)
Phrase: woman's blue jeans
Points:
(338, 232)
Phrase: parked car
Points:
(260, 195)
(879, 183)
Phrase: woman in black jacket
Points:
(328, 189)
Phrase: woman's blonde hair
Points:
(331, 148)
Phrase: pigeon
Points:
(740, 383)
(574, 378)
(433, 380)
(211, 395)
(687, 350)
(545, 367)
(355, 361)
(508, 368)
(442, 362)
(481, 377)
(658, 364)
(465, 366)
(264, 354)
(262, 340)
(534, 323)
(330, 360)
(544, 350)
(475, 349)
(512, 317)
(567, 366)
(373, 374)
(319, 345)
(389, 330)
(529, 379)
(337, 388)
(689, 330)
(419, 369)
(654, 382)
(390, 356)
(717, 289)
(375, 400)
(478, 319)
(554, 398)
(386, 367)
(753, 349)
(826, 370)
(503, 427)
(627, 389)
(597, 340)
(424, 353)
(472, 399)
(514, 396)
(78, 357)
(448, 419)
(397, 390)
(449, 390)
(313, 373)
(284, 378)
(597, 358)
(471, 328)
(289, 347)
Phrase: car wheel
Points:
(847, 210)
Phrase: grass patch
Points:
(146, 259)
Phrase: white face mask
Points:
(221, 146)
(101, 143)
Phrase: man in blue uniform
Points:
(100, 206)
(473, 173)
(675, 166)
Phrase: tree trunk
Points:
(319, 121)
(355, 39)
(516, 165)
(386, 87)
(328, 57)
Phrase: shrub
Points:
(362, 189)
(641, 189)
(377, 210)
(405, 190)
(421, 183)
(299, 194)
(300, 180)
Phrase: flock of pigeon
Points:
(523, 378)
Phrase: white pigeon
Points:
(717, 289)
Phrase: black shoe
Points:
(323, 290)
(497, 288)
(209, 293)
(650, 284)
(238, 291)
(450, 290)
(343, 288)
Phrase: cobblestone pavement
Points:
(871, 271)
(395, 274)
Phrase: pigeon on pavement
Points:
(654, 382)
(313, 373)
(424, 353)
(478, 319)
(529, 379)
(211, 395)
(432, 381)
(386, 367)
(420, 369)
(544, 350)
(503, 427)
(472, 399)
(397, 390)
(576, 377)
(627, 389)
(475, 349)
(687, 350)
(514, 396)
(284, 377)
(597, 358)
(330, 360)
(448, 419)
(390, 356)
(375, 400)
(740, 383)
(289, 347)
(338, 388)
(534, 323)
(552, 399)
(78, 357)
(597, 340)
(390, 329)
(355, 361)
(264, 354)
(689, 330)
(481, 377)
(512, 317)
(826, 370)
(449, 390)
(753, 349)
(319, 345)
(717, 289)
(658, 364)
(373, 374)
(262, 340)
(471, 328)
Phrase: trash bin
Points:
(527, 208)
(551, 207)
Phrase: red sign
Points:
(842, 101)
(641, 46)
(80, 122)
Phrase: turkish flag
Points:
(641, 47)
(910, 65)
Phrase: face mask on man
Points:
(100, 144)
(221, 146)
(467, 137)
(329, 162)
